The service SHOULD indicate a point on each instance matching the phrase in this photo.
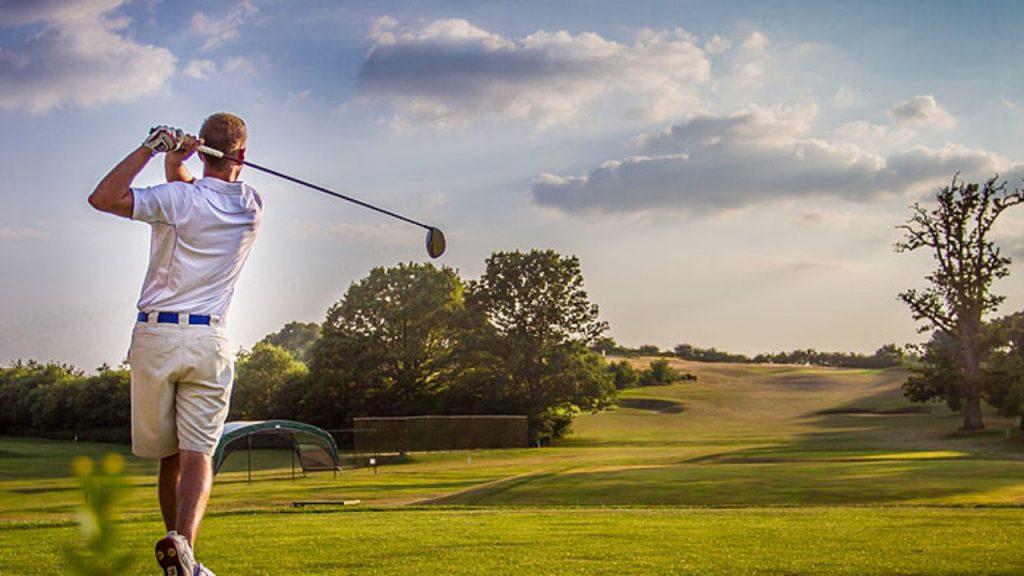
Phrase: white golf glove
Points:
(164, 139)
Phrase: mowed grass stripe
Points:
(853, 541)
(942, 482)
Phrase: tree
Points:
(297, 338)
(385, 347)
(648, 350)
(968, 262)
(523, 346)
(609, 347)
(660, 373)
(624, 375)
(26, 387)
(1005, 369)
(269, 383)
(937, 375)
(888, 356)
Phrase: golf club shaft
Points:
(219, 154)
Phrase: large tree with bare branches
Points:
(957, 231)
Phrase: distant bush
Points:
(660, 373)
(624, 374)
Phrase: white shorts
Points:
(181, 386)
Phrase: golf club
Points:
(435, 238)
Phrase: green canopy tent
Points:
(314, 448)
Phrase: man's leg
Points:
(194, 485)
(167, 488)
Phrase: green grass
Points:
(854, 541)
(750, 469)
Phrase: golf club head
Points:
(435, 242)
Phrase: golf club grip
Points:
(210, 151)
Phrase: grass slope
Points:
(772, 435)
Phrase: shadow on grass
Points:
(652, 405)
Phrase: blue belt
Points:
(172, 318)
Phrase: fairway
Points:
(750, 469)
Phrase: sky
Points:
(730, 174)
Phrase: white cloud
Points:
(21, 12)
(937, 165)
(921, 111)
(81, 55)
(778, 124)
(241, 66)
(1008, 104)
(448, 71)
(219, 30)
(758, 156)
(752, 58)
(873, 136)
(200, 69)
(717, 44)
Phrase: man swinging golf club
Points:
(181, 363)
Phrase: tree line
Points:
(60, 401)
(888, 356)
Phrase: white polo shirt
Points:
(202, 234)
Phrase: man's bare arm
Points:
(114, 194)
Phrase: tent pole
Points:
(248, 439)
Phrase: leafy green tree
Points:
(385, 347)
(1005, 367)
(624, 375)
(103, 402)
(523, 348)
(888, 356)
(297, 338)
(660, 373)
(269, 383)
(956, 231)
(937, 373)
(26, 388)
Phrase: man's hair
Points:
(225, 132)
